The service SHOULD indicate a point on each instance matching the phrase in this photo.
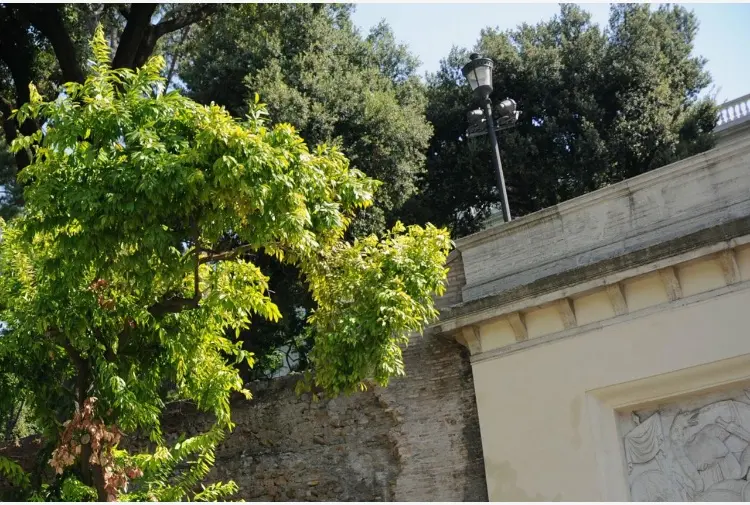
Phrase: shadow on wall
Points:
(504, 482)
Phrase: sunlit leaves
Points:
(132, 263)
(371, 295)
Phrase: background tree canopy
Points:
(316, 72)
(599, 104)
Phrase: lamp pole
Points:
(479, 74)
(496, 159)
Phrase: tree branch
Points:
(12, 420)
(137, 27)
(196, 271)
(69, 391)
(109, 354)
(10, 131)
(124, 12)
(71, 351)
(183, 19)
(180, 304)
(226, 255)
(173, 306)
(48, 19)
(175, 57)
(15, 52)
(174, 23)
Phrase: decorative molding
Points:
(671, 283)
(470, 337)
(519, 326)
(728, 261)
(486, 311)
(611, 285)
(567, 313)
(617, 298)
(578, 330)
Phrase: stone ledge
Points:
(661, 205)
(451, 318)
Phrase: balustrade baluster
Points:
(737, 110)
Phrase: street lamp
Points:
(479, 74)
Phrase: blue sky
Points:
(431, 29)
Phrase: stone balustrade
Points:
(733, 113)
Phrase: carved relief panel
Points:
(696, 449)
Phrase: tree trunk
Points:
(137, 28)
(15, 51)
(91, 474)
(48, 19)
(136, 44)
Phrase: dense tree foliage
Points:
(134, 254)
(307, 62)
(598, 106)
(48, 44)
(319, 74)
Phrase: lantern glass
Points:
(479, 74)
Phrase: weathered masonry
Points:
(416, 440)
(610, 336)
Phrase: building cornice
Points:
(573, 282)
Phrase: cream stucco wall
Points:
(540, 418)
(633, 294)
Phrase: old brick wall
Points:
(416, 440)
(437, 436)
(454, 283)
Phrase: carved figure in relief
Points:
(706, 457)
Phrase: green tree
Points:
(48, 44)
(598, 106)
(122, 274)
(316, 72)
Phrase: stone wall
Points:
(286, 448)
(455, 281)
(416, 440)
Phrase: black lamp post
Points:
(479, 74)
